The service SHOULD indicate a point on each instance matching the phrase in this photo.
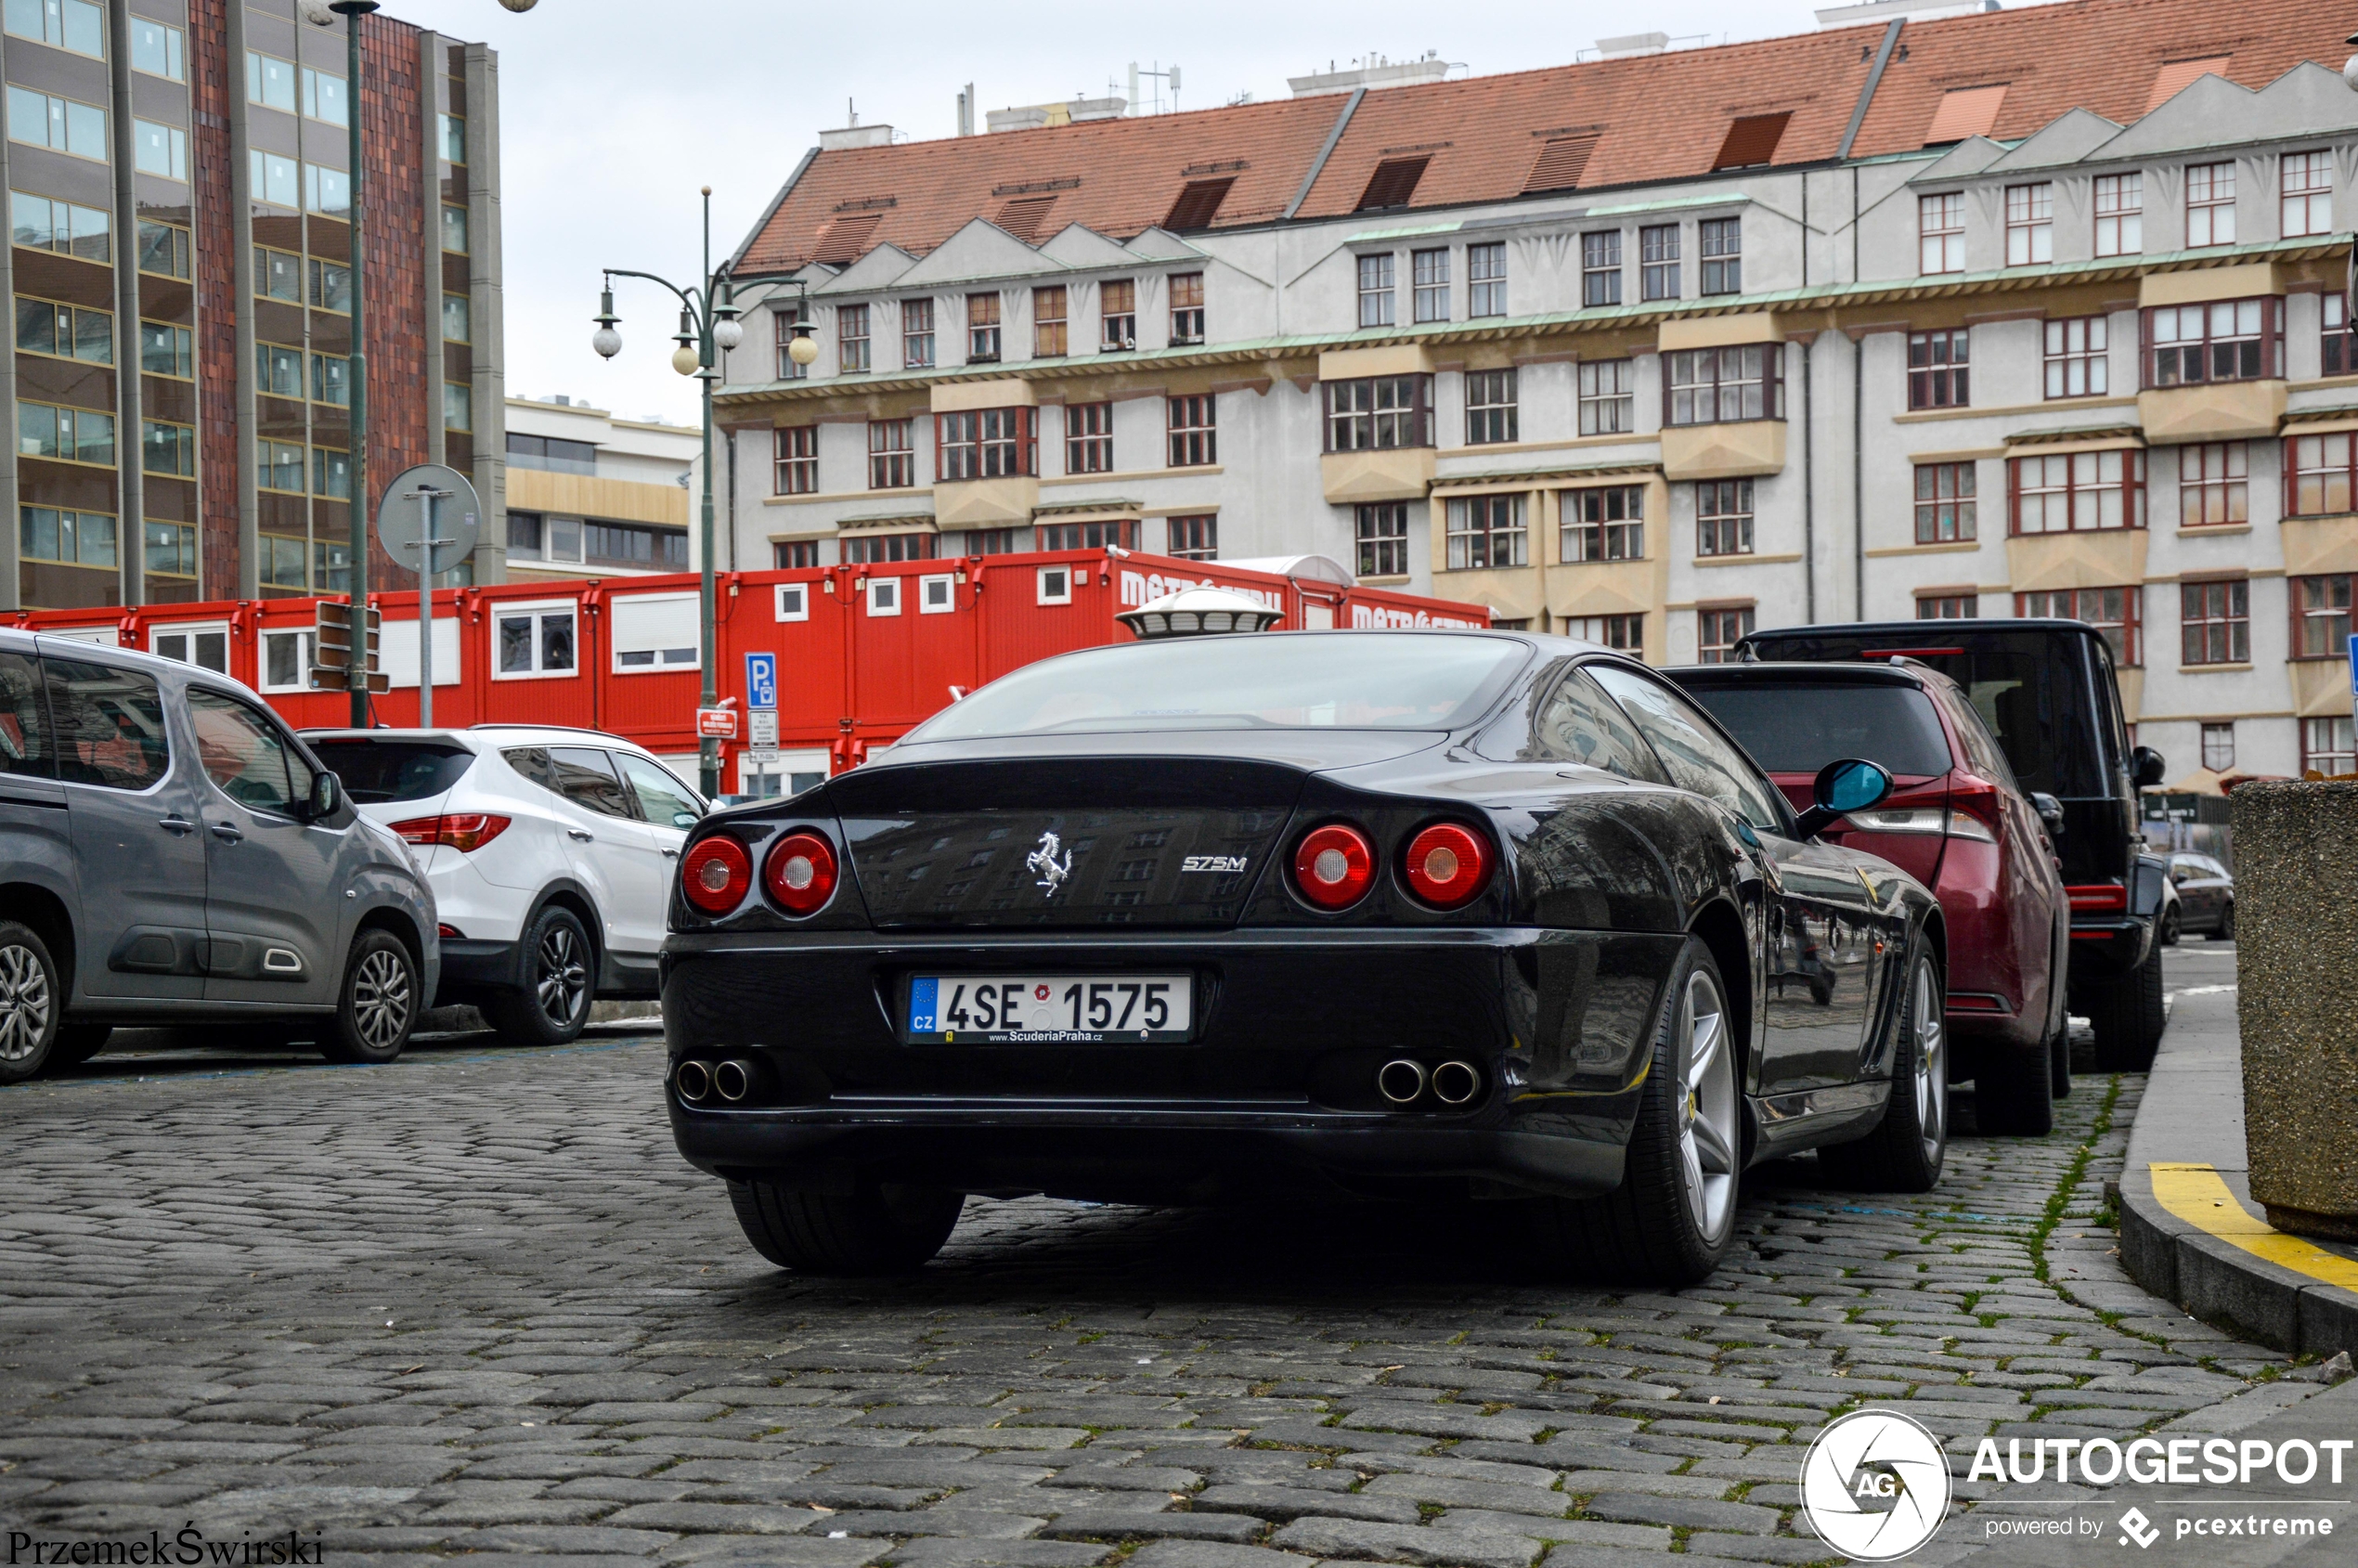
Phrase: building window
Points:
(2321, 617)
(41, 224)
(788, 555)
(1487, 531)
(2335, 349)
(458, 312)
(1938, 376)
(534, 641)
(631, 545)
(279, 369)
(1378, 411)
(2214, 484)
(1723, 517)
(1117, 314)
(2030, 224)
(46, 120)
(1945, 607)
(2329, 746)
(1195, 539)
(552, 454)
(2210, 205)
(454, 230)
(66, 24)
(2324, 476)
(870, 550)
(982, 328)
(67, 434)
(796, 457)
(1723, 251)
(1486, 279)
(1944, 503)
(73, 539)
(325, 99)
(2216, 622)
(326, 190)
(1428, 276)
(1600, 267)
(2226, 340)
(1658, 262)
(1375, 290)
(160, 149)
(1724, 385)
(1608, 398)
(2076, 362)
(1122, 533)
(167, 448)
(1490, 406)
(2219, 746)
(278, 466)
(1088, 437)
(332, 383)
(454, 138)
(2115, 611)
(1186, 308)
(1384, 539)
(1194, 436)
(782, 323)
(166, 350)
(278, 275)
(2077, 491)
(1718, 631)
(1940, 233)
(331, 473)
(2120, 215)
(892, 454)
(1625, 632)
(65, 331)
(1608, 523)
(457, 400)
(984, 444)
(1048, 322)
(851, 339)
(2307, 180)
(917, 335)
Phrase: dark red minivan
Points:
(1957, 822)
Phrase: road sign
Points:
(761, 727)
(716, 723)
(401, 516)
(333, 664)
(2353, 665)
(761, 680)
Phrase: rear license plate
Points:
(1050, 1010)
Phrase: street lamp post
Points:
(708, 326)
(352, 11)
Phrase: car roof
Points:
(487, 737)
(1884, 672)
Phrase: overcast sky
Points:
(614, 111)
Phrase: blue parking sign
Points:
(761, 680)
(2353, 665)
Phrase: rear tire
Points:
(1906, 1150)
(376, 1002)
(2170, 924)
(2226, 931)
(33, 1002)
(76, 1044)
(2014, 1093)
(2059, 1060)
(1672, 1218)
(2127, 1016)
(553, 1006)
(888, 1229)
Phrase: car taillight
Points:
(1975, 809)
(1448, 865)
(716, 874)
(448, 932)
(1334, 866)
(801, 872)
(1902, 819)
(465, 832)
(2097, 898)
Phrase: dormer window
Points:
(1118, 307)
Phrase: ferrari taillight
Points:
(463, 831)
(801, 872)
(1334, 866)
(1448, 865)
(716, 874)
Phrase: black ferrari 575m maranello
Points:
(1356, 914)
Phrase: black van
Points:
(2048, 691)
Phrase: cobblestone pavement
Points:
(475, 1303)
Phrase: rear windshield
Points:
(378, 773)
(2030, 688)
(1343, 681)
(1798, 726)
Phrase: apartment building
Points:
(179, 265)
(2030, 312)
(591, 495)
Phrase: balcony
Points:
(1723, 451)
(1385, 474)
(2242, 410)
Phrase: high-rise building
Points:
(180, 265)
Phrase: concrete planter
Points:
(2297, 998)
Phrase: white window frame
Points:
(945, 583)
(537, 611)
(1054, 585)
(190, 629)
(614, 650)
(793, 601)
(304, 657)
(884, 596)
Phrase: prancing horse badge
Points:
(1044, 860)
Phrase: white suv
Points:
(551, 852)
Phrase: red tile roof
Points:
(1654, 118)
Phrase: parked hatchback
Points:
(551, 852)
(1957, 822)
(2206, 899)
(171, 853)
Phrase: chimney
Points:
(967, 111)
(855, 135)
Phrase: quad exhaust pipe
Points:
(693, 1080)
(1404, 1081)
(730, 1083)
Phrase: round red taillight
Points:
(801, 872)
(1334, 866)
(716, 874)
(1447, 865)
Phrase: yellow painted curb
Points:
(2196, 1194)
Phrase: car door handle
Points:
(175, 823)
(672, 854)
(227, 832)
(576, 832)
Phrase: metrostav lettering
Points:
(2154, 1462)
(190, 1546)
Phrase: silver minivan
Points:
(171, 853)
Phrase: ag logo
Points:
(1875, 1485)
